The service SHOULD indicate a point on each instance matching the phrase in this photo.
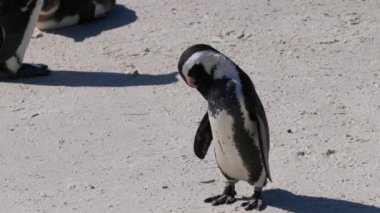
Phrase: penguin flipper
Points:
(203, 137)
(257, 113)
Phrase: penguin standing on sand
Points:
(63, 13)
(235, 121)
(17, 21)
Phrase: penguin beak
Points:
(192, 82)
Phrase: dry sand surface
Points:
(95, 136)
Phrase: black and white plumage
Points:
(235, 121)
(17, 21)
(62, 13)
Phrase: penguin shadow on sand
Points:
(119, 16)
(98, 79)
(289, 202)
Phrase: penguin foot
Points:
(31, 70)
(227, 197)
(221, 199)
(254, 203)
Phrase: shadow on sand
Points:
(98, 79)
(290, 202)
(118, 17)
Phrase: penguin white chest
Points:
(226, 152)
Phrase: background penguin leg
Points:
(27, 69)
(255, 201)
(227, 197)
(18, 20)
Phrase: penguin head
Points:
(201, 64)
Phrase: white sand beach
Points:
(112, 128)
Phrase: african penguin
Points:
(235, 121)
(63, 13)
(17, 21)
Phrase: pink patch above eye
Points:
(192, 82)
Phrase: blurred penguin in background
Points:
(18, 19)
(63, 13)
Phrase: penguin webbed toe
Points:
(221, 199)
(254, 202)
(227, 197)
(31, 70)
(34, 66)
